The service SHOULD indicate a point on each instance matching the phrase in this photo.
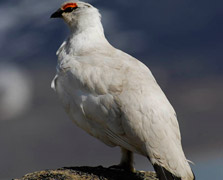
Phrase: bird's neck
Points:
(85, 39)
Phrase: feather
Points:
(163, 174)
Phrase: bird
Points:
(114, 97)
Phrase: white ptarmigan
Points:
(114, 97)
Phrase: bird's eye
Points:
(69, 9)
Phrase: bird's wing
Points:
(100, 80)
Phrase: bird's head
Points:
(78, 14)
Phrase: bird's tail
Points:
(163, 174)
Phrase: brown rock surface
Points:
(89, 173)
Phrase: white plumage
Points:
(114, 97)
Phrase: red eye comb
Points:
(72, 5)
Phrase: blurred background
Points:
(180, 41)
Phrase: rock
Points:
(89, 173)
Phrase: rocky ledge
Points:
(89, 173)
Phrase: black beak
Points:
(57, 14)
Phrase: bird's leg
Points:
(126, 161)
